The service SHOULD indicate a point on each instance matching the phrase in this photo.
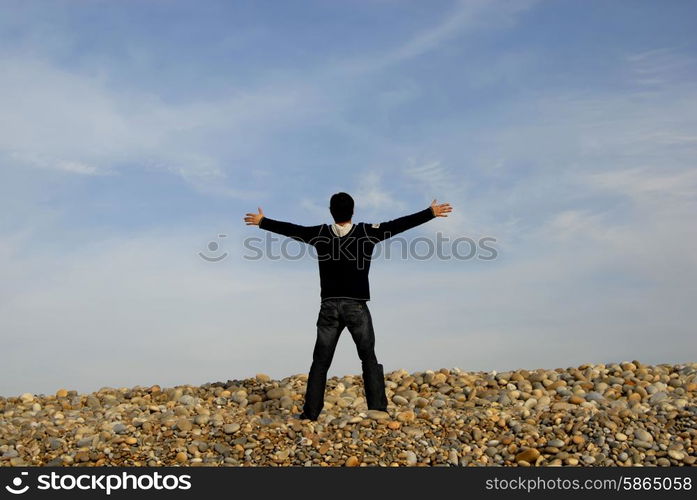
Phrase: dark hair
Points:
(341, 207)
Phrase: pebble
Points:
(27, 397)
(406, 416)
(643, 435)
(594, 396)
(400, 400)
(642, 444)
(378, 415)
(201, 419)
(231, 428)
(119, 428)
(184, 424)
(658, 397)
(528, 455)
(276, 393)
(187, 400)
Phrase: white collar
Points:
(341, 230)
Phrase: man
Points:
(344, 250)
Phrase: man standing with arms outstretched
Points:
(344, 250)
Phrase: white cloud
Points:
(32, 159)
(372, 197)
(465, 16)
(76, 123)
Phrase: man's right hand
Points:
(254, 219)
(441, 210)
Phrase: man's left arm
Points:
(295, 231)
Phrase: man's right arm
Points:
(388, 229)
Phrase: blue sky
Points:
(132, 133)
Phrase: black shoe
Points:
(302, 416)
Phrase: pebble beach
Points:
(623, 414)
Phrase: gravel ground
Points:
(626, 414)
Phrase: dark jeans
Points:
(334, 315)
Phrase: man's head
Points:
(341, 207)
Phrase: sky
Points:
(134, 133)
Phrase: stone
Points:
(378, 415)
(421, 402)
(86, 441)
(352, 461)
(184, 424)
(276, 393)
(201, 419)
(119, 428)
(658, 397)
(181, 457)
(643, 435)
(187, 400)
(406, 416)
(61, 393)
(642, 444)
(528, 455)
(55, 443)
(595, 396)
(222, 448)
(27, 397)
(411, 458)
(231, 428)
(400, 400)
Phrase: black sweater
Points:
(344, 261)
